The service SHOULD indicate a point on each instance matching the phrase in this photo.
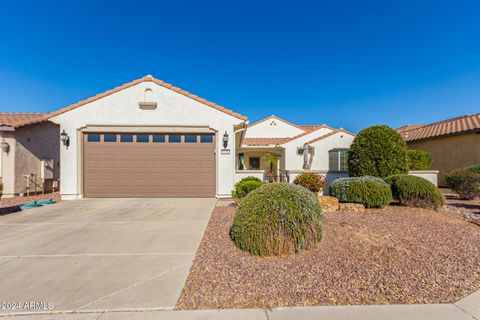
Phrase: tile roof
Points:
(409, 127)
(16, 120)
(263, 141)
(335, 131)
(464, 123)
(157, 81)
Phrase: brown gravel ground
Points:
(396, 255)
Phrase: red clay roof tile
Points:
(469, 122)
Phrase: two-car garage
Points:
(139, 165)
(147, 139)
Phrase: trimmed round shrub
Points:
(245, 186)
(415, 191)
(277, 219)
(377, 151)
(372, 192)
(419, 160)
(465, 182)
(312, 181)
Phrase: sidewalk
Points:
(465, 309)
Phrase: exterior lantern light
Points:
(64, 138)
(225, 140)
(5, 146)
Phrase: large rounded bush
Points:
(245, 186)
(377, 151)
(465, 182)
(372, 192)
(277, 219)
(415, 191)
(310, 180)
(419, 160)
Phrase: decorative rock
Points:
(352, 207)
(329, 204)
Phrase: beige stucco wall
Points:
(28, 146)
(121, 109)
(451, 152)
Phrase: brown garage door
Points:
(149, 165)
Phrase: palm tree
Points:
(271, 160)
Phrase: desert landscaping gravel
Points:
(397, 255)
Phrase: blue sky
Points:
(350, 64)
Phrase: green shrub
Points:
(415, 191)
(277, 219)
(465, 182)
(377, 151)
(312, 181)
(419, 160)
(372, 192)
(244, 187)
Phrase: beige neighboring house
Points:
(453, 143)
(298, 148)
(29, 155)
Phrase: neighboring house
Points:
(148, 138)
(316, 148)
(29, 155)
(453, 143)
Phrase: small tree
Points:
(271, 161)
(377, 151)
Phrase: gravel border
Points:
(397, 255)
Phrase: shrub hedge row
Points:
(419, 160)
(372, 192)
(465, 181)
(415, 191)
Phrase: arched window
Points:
(148, 95)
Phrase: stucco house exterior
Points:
(148, 138)
(453, 143)
(298, 148)
(29, 154)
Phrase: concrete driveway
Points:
(100, 254)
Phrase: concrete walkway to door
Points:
(100, 254)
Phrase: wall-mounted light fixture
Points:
(5, 146)
(225, 140)
(65, 138)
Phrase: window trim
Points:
(250, 163)
(338, 154)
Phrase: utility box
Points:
(46, 169)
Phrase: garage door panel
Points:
(130, 169)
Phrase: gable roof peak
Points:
(149, 77)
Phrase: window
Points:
(190, 138)
(93, 137)
(141, 138)
(158, 138)
(126, 138)
(338, 160)
(174, 138)
(254, 163)
(206, 138)
(110, 137)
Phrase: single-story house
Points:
(297, 148)
(453, 143)
(29, 154)
(148, 138)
